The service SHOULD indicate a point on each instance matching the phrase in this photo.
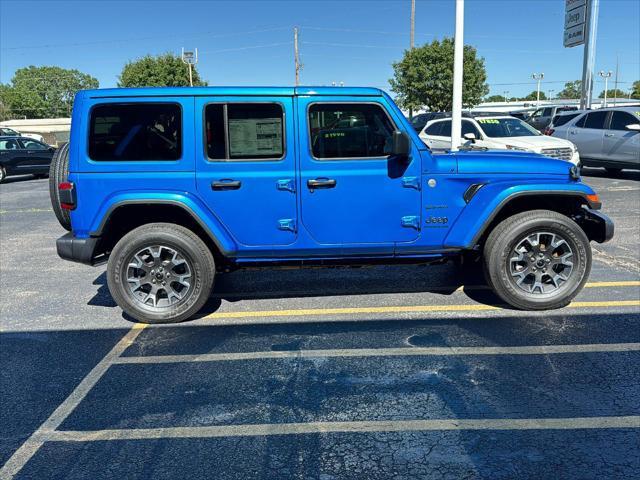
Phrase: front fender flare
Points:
(476, 217)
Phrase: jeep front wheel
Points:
(160, 273)
(537, 260)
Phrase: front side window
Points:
(349, 130)
(244, 131)
(595, 120)
(620, 120)
(446, 129)
(560, 120)
(547, 112)
(33, 145)
(135, 132)
(468, 127)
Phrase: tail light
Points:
(67, 191)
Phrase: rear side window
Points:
(244, 131)
(559, 120)
(135, 132)
(620, 120)
(9, 145)
(434, 129)
(446, 129)
(349, 130)
(595, 120)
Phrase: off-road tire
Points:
(176, 237)
(59, 172)
(504, 238)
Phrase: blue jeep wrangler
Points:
(171, 185)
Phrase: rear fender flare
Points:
(202, 215)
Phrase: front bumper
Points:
(596, 225)
(75, 249)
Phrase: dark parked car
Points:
(21, 155)
(419, 121)
(541, 118)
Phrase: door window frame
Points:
(344, 159)
(225, 103)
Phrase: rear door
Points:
(588, 134)
(353, 193)
(38, 155)
(620, 144)
(245, 166)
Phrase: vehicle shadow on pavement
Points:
(261, 284)
(602, 173)
(21, 178)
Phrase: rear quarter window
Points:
(135, 132)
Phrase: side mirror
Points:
(635, 127)
(401, 144)
(470, 136)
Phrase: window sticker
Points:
(255, 137)
(488, 120)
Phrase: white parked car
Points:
(501, 132)
(10, 132)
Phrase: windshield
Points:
(506, 127)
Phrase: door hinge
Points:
(287, 224)
(287, 184)
(411, 182)
(410, 221)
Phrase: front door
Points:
(353, 193)
(38, 155)
(245, 166)
(620, 143)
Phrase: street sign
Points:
(574, 36)
(575, 17)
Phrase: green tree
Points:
(635, 89)
(424, 77)
(534, 96)
(572, 90)
(44, 92)
(495, 98)
(166, 70)
(613, 93)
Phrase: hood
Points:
(537, 142)
(501, 161)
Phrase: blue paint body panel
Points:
(380, 207)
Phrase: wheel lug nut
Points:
(164, 283)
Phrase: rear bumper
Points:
(75, 249)
(597, 226)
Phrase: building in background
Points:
(54, 130)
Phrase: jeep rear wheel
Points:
(537, 260)
(160, 273)
(59, 172)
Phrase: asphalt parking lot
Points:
(375, 373)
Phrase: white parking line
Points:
(384, 352)
(21, 456)
(347, 427)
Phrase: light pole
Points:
(538, 77)
(458, 62)
(190, 59)
(506, 92)
(551, 94)
(606, 76)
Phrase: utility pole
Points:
(190, 59)
(458, 51)
(296, 58)
(411, 38)
(538, 77)
(591, 27)
(606, 76)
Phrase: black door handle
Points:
(226, 184)
(321, 183)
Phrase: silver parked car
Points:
(608, 137)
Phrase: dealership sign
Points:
(575, 15)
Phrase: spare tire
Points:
(59, 172)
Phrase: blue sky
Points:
(251, 42)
